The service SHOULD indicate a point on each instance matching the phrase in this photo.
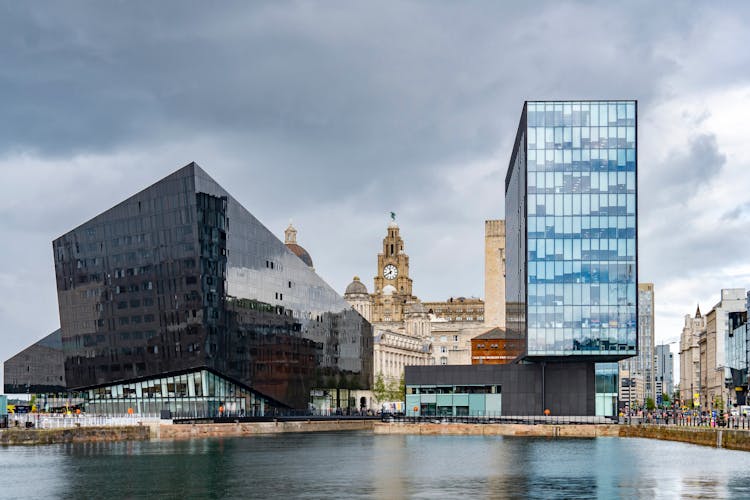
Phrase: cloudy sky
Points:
(333, 114)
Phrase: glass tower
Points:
(571, 219)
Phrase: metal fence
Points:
(47, 421)
(708, 421)
(500, 419)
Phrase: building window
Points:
(443, 338)
(455, 338)
(443, 348)
(443, 360)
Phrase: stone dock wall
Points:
(72, 435)
(539, 430)
(187, 431)
(719, 438)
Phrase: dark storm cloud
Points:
(332, 113)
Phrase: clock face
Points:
(390, 272)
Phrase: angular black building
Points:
(179, 298)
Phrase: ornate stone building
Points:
(356, 295)
(393, 285)
(457, 309)
(690, 358)
(409, 332)
(401, 325)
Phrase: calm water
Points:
(351, 465)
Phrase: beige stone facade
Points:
(494, 273)
(713, 372)
(451, 341)
(457, 309)
(690, 358)
(393, 351)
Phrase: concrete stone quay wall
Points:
(188, 431)
(72, 435)
(539, 430)
(732, 439)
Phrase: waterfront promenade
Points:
(94, 429)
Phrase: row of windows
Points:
(580, 249)
(598, 113)
(557, 138)
(581, 160)
(453, 389)
(581, 205)
(125, 320)
(576, 183)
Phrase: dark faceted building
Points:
(180, 298)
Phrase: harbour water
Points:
(362, 465)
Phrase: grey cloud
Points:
(736, 212)
(683, 173)
(331, 113)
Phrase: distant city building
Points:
(641, 367)
(690, 358)
(457, 309)
(179, 299)
(715, 373)
(494, 348)
(738, 354)
(494, 273)
(401, 324)
(407, 331)
(663, 372)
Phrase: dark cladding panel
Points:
(129, 288)
(515, 227)
(568, 387)
(38, 368)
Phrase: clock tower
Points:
(393, 286)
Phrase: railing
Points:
(500, 419)
(741, 422)
(49, 421)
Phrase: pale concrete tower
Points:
(494, 273)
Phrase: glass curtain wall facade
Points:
(571, 225)
(181, 277)
(194, 394)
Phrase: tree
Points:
(379, 390)
(650, 405)
(665, 400)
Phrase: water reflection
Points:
(360, 465)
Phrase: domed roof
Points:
(356, 287)
(301, 253)
(417, 307)
(389, 290)
(290, 240)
